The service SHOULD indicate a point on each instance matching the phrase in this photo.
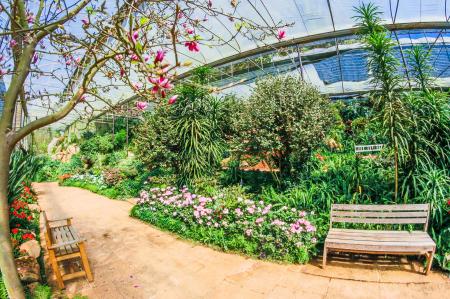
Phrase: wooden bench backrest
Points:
(47, 228)
(380, 214)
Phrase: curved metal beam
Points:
(317, 37)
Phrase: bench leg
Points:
(55, 267)
(85, 262)
(430, 256)
(324, 259)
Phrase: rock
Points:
(28, 269)
(32, 248)
(34, 207)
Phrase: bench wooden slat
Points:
(402, 207)
(406, 243)
(371, 232)
(378, 237)
(382, 249)
(381, 220)
(381, 214)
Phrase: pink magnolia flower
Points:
(173, 99)
(192, 46)
(134, 57)
(69, 62)
(78, 60)
(141, 105)
(1, 57)
(135, 36)
(30, 18)
(83, 97)
(35, 58)
(160, 84)
(159, 56)
(119, 57)
(12, 43)
(122, 72)
(281, 34)
(85, 21)
(3, 72)
(190, 30)
(209, 3)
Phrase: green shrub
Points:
(284, 121)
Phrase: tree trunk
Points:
(7, 264)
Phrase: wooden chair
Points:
(64, 243)
(395, 242)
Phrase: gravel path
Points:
(131, 259)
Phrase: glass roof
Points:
(334, 63)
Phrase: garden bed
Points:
(241, 225)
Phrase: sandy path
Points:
(131, 259)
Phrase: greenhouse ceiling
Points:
(320, 45)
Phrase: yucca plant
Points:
(23, 167)
(381, 60)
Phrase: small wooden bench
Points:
(395, 242)
(64, 243)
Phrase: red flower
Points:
(448, 202)
(30, 218)
(15, 231)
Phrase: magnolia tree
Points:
(85, 48)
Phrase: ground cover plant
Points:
(236, 224)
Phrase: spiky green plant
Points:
(419, 61)
(23, 167)
(383, 64)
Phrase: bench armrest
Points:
(55, 246)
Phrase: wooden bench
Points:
(64, 243)
(396, 242)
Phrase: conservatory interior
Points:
(224, 149)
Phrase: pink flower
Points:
(141, 105)
(85, 21)
(78, 60)
(3, 72)
(119, 57)
(12, 43)
(173, 99)
(192, 46)
(135, 36)
(134, 57)
(136, 86)
(35, 58)
(69, 62)
(190, 30)
(30, 18)
(281, 34)
(160, 84)
(83, 97)
(122, 72)
(239, 212)
(251, 210)
(248, 232)
(259, 220)
(1, 57)
(159, 56)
